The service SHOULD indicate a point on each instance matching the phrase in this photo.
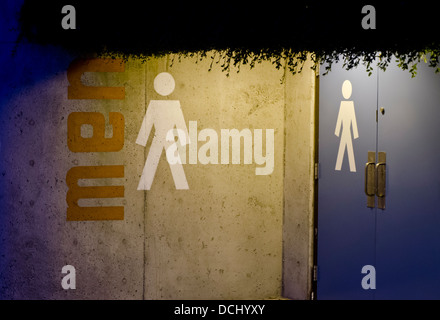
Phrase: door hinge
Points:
(316, 170)
(315, 273)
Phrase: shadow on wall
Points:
(25, 189)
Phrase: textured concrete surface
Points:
(226, 231)
(37, 241)
(232, 235)
(298, 184)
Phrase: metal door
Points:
(408, 230)
(346, 227)
(398, 233)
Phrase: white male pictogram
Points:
(346, 118)
(167, 117)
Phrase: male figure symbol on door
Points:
(346, 119)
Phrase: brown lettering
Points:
(98, 142)
(77, 90)
(75, 192)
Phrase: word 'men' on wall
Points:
(96, 143)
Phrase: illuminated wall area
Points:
(79, 184)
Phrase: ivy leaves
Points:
(294, 61)
(232, 60)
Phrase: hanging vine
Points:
(232, 60)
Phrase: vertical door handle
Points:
(369, 185)
(381, 177)
(369, 180)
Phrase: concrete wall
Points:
(232, 235)
(226, 231)
(37, 241)
(299, 184)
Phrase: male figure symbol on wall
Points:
(346, 119)
(167, 118)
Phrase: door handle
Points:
(368, 185)
(381, 177)
(375, 179)
(369, 179)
